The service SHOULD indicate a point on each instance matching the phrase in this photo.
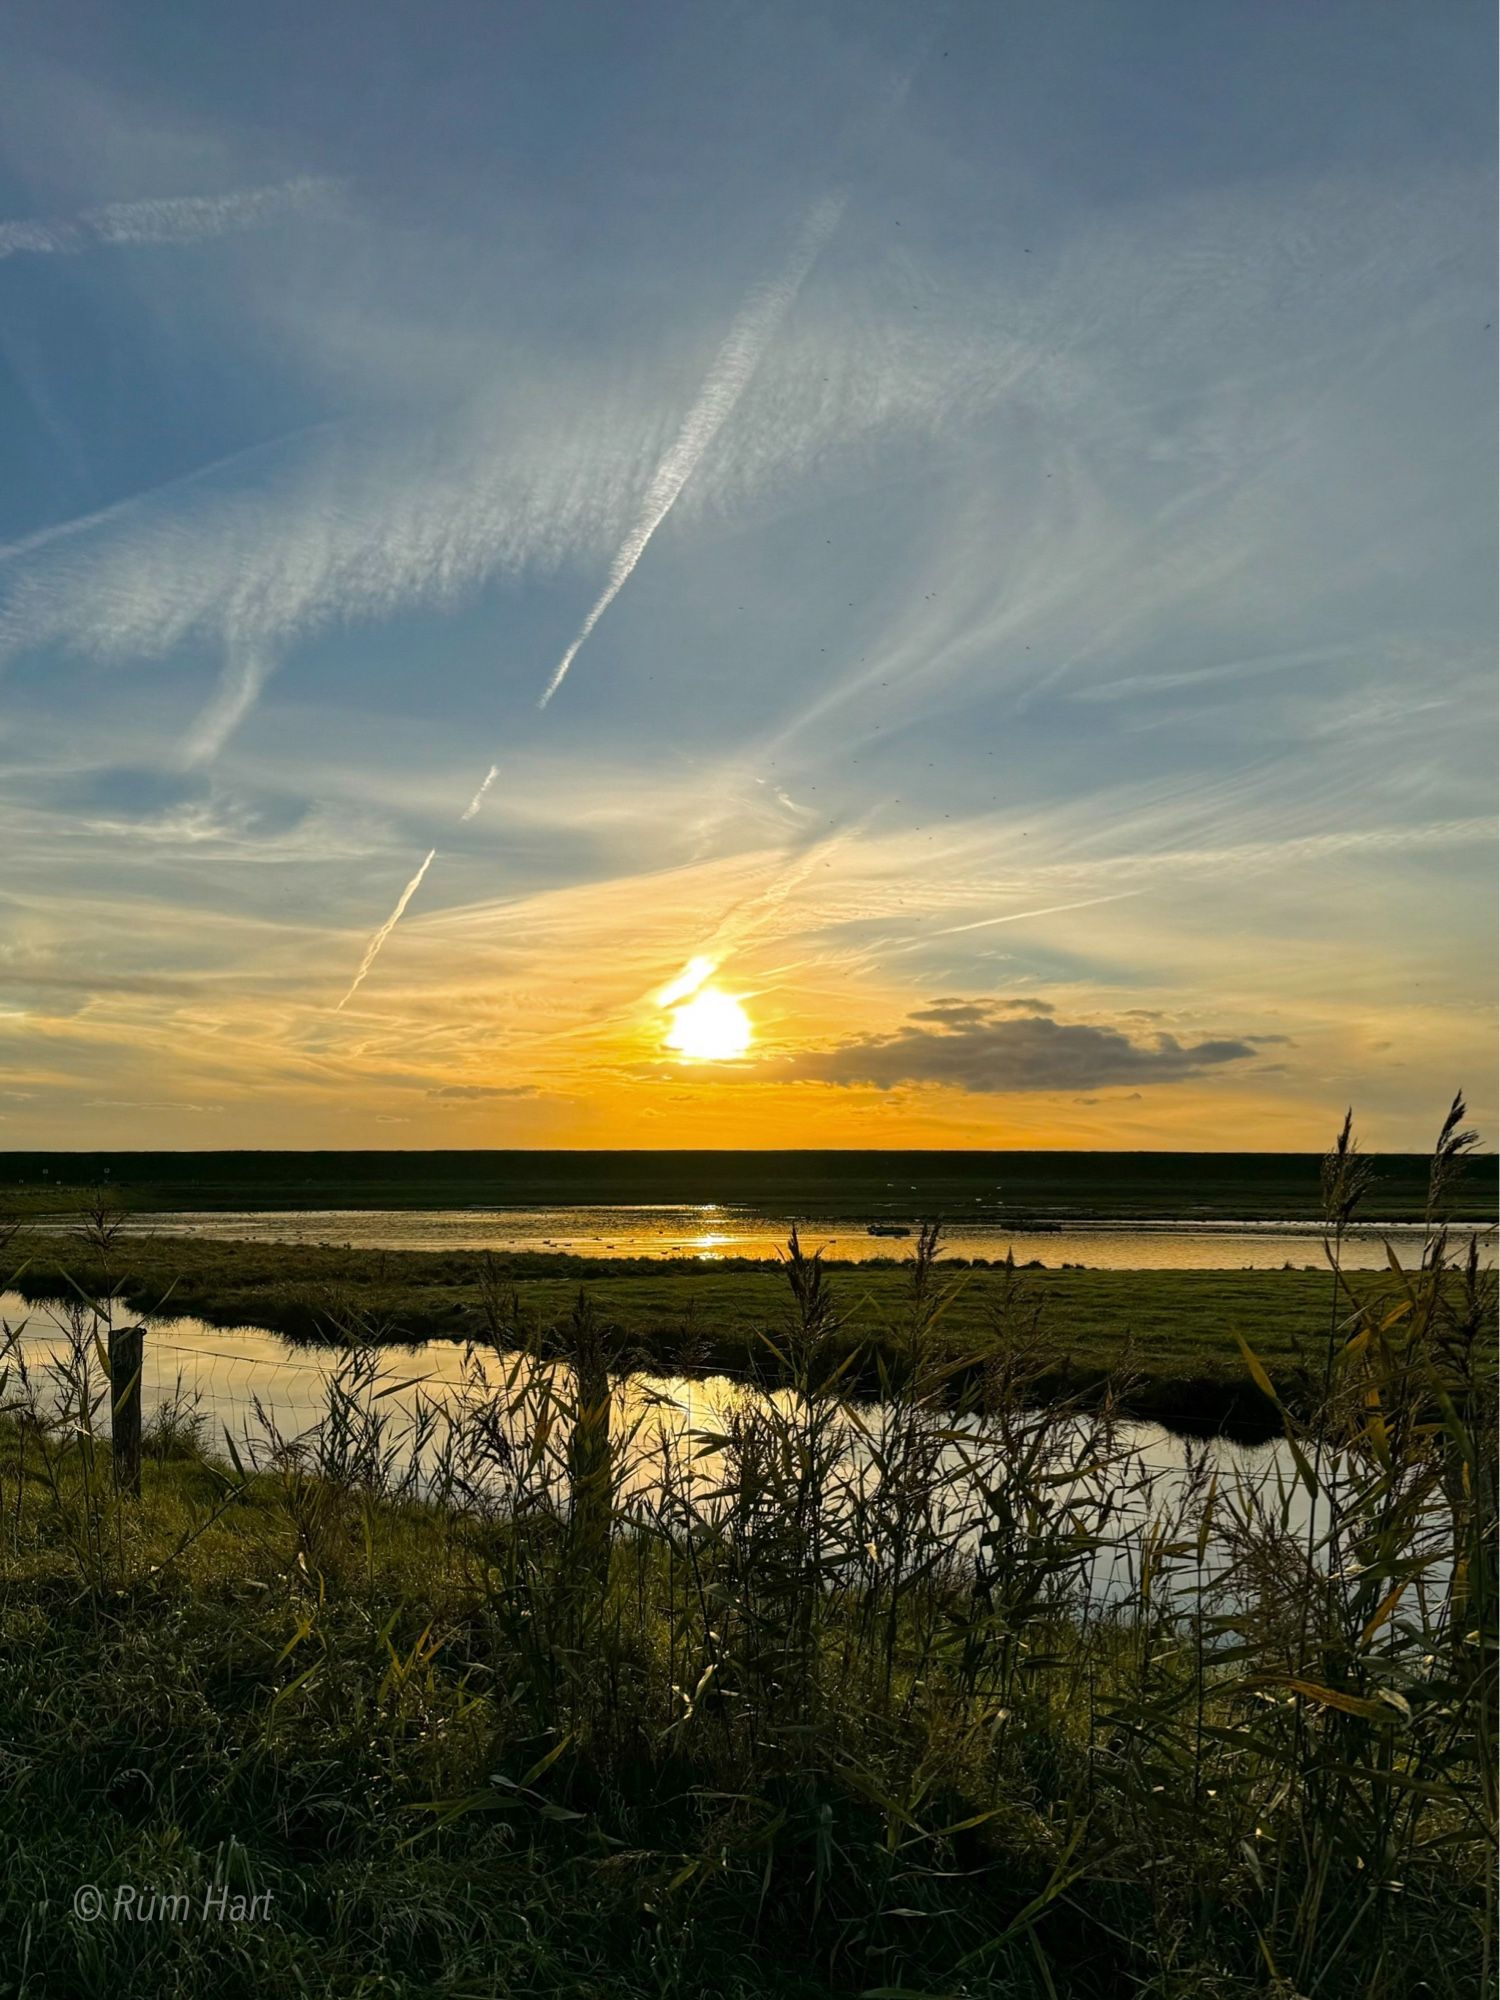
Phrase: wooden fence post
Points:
(127, 1353)
(590, 1467)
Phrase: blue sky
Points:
(1052, 454)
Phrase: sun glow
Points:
(687, 982)
(712, 1027)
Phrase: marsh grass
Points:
(547, 1690)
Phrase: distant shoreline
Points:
(1018, 1190)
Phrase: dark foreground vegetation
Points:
(1016, 1187)
(830, 1702)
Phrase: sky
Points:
(964, 535)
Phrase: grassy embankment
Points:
(1166, 1338)
(765, 1726)
(1021, 1189)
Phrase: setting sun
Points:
(712, 1027)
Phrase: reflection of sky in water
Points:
(245, 1377)
(685, 1231)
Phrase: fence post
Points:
(590, 1471)
(127, 1353)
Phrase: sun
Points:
(712, 1027)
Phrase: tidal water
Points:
(710, 1233)
(265, 1393)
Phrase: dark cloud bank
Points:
(1015, 1045)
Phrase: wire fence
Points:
(269, 1401)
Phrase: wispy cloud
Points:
(735, 363)
(477, 1093)
(121, 511)
(349, 525)
(1235, 672)
(173, 218)
(514, 484)
(246, 671)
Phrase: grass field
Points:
(1167, 1337)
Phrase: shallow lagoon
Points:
(711, 1233)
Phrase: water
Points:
(711, 1232)
(260, 1389)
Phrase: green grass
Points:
(157, 1733)
(1172, 1333)
(237, 1716)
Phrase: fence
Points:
(628, 1439)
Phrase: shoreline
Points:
(1011, 1189)
(1170, 1336)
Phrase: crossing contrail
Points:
(739, 355)
(733, 366)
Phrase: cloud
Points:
(733, 368)
(1236, 672)
(987, 1047)
(472, 1093)
(954, 1013)
(567, 471)
(218, 828)
(247, 668)
(173, 219)
(969, 1013)
(334, 525)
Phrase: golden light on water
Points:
(711, 1027)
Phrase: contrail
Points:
(1052, 910)
(478, 799)
(83, 524)
(733, 365)
(372, 949)
(176, 219)
(729, 376)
